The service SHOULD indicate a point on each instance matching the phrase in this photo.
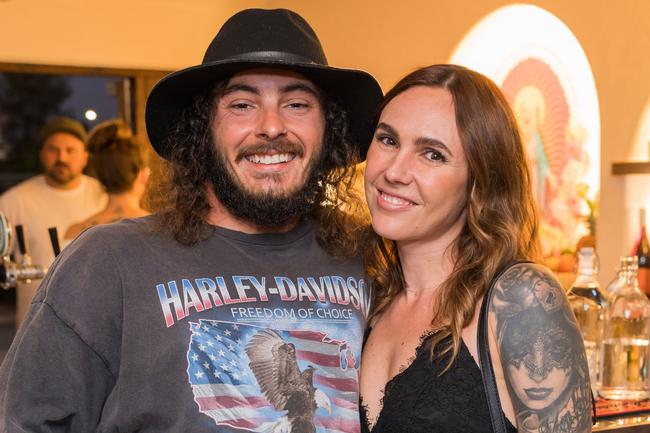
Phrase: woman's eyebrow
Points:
(420, 141)
(386, 127)
(433, 142)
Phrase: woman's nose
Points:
(399, 168)
(538, 365)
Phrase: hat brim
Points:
(357, 91)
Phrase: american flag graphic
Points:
(226, 389)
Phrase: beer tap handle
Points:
(54, 239)
(20, 235)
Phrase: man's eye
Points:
(240, 106)
(300, 106)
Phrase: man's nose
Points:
(62, 156)
(271, 124)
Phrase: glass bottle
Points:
(588, 304)
(642, 251)
(625, 349)
(619, 278)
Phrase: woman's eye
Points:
(385, 139)
(519, 351)
(435, 155)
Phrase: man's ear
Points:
(87, 156)
(143, 176)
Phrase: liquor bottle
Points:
(625, 347)
(619, 278)
(588, 304)
(643, 254)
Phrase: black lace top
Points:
(418, 400)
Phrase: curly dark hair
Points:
(334, 205)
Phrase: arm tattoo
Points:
(542, 352)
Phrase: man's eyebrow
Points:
(240, 87)
(300, 87)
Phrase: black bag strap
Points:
(489, 381)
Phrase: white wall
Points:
(385, 37)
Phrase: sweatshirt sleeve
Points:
(63, 362)
(51, 380)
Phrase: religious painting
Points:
(555, 148)
(544, 73)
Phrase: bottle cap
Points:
(587, 261)
(629, 263)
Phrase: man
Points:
(240, 308)
(61, 196)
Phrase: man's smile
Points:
(267, 159)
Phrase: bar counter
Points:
(635, 423)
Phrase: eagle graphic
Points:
(273, 362)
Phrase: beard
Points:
(266, 209)
(60, 174)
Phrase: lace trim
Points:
(391, 382)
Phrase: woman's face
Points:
(416, 170)
(539, 368)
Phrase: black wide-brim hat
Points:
(258, 38)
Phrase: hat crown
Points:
(66, 125)
(254, 33)
(258, 38)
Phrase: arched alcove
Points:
(544, 72)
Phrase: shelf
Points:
(631, 167)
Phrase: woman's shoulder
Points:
(105, 216)
(75, 229)
(526, 284)
(540, 349)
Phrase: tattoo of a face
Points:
(542, 352)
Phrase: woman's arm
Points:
(541, 352)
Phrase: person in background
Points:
(242, 305)
(119, 162)
(449, 193)
(61, 196)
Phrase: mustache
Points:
(280, 145)
(61, 164)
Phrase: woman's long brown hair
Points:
(501, 220)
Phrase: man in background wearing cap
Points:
(241, 307)
(59, 197)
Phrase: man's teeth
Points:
(395, 200)
(270, 159)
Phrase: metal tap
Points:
(10, 271)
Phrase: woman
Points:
(118, 162)
(448, 189)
